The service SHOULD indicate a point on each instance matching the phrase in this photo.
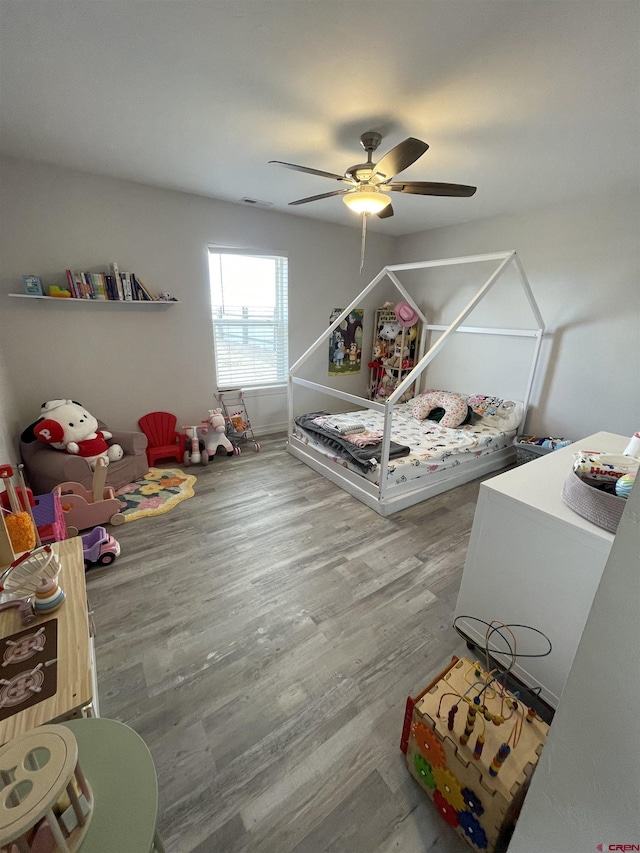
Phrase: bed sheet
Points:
(434, 448)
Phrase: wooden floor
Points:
(262, 637)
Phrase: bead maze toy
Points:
(472, 746)
(84, 508)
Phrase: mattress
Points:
(434, 448)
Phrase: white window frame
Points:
(225, 359)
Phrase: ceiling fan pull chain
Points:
(364, 240)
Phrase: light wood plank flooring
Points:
(262, 637)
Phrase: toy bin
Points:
(530, 447)
(465, 756)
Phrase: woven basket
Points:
(528, 452)
(596, 506)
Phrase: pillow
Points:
(497, 412)
(455, 407)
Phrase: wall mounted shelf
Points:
(97, 301)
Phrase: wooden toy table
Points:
(119, 767)
(76, 692)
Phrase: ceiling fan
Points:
(368, 183)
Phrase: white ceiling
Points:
(532, 101)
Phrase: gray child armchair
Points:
(45, 467)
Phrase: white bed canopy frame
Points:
(386, 498)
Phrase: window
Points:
(250, 320)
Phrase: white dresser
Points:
(533, 561)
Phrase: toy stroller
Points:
(235, 413)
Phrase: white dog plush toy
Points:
(66, 425)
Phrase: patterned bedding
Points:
(433, 447)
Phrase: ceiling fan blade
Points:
(431, 188)
(386, 212)
(317, 197)
(400, 157)
(309, 171)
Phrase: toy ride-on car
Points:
(99, 547)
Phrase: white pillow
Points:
(497, 412)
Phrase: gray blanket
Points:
(363, 458)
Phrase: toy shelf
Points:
(144, 302)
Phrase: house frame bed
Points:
(385, 497)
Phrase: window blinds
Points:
(249, 297)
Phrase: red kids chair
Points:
(165, 442)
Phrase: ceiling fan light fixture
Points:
(366, 200)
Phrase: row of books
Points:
(116, 286)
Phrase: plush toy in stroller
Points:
(213, 432)
(235, 414)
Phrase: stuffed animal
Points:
(66, 425)
(213, 431)
(399, 353)
(379, 351)
(389, 331)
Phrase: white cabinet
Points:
(533, 561)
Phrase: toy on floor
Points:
(83, 508)
(213, 432)
(99, 547)
(236, 416)
(163, 439)
(67, 426)
(194, 453)
(472, 745)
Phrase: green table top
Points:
(119, 768)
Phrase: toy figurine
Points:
(214, 434)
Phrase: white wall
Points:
(586, 788)
(9, 423)
(122, 361)
(583, 263)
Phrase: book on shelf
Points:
(79, 285)
(114, 286)
(126, 286)
(143, 292)
(110, 284)
(97, 283)
(72, 284)
(117, 282)
(88, 287)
